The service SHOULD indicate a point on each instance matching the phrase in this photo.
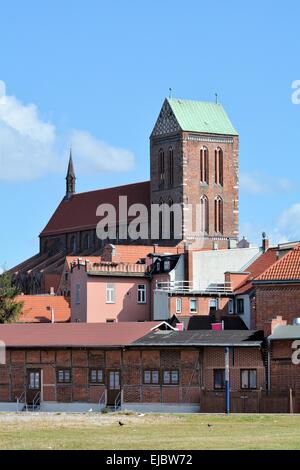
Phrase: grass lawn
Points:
(150, 431)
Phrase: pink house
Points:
(110, 293)
(116, 291)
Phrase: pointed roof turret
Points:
(70, 178)
(71, 172)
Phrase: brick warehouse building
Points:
(193, 161)
(277, 290)
(138, 366)
(283, 372)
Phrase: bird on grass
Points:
(209, 426)
(121, 424)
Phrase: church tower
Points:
(194, 162)
(70, 179)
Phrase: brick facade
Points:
(284, 374)
(195, 367)
(186, 187)
(203, 305)
(272, 301)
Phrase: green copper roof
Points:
(199, 116)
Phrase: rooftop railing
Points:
(189, 287)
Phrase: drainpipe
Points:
(269, 365)
(227, 382)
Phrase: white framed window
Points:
(96, 376)
(110, 294)
(171, 377)
(77, 293)
(141, 294)
(178, 305)
(167, 265)
(248, 379)
(193, 305)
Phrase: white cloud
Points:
(258, 183)
(26, 142)
(289, 222)
(29, 146)
(285, 229)
(94, 155)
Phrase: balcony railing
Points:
(187, 287)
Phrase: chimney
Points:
(265, 242)
(277, 321)
(189, 262)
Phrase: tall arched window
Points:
(171, 167)
(204, 165)
(170, 203)
(204, 215)
(218, 214)
(219, 166)
(73, 244)
(160, 221)
(161, 168)
(87, 242)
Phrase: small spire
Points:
(70, 178)
(71, 166)
(170, 92)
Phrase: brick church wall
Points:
(187, 188)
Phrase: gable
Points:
(166, 122)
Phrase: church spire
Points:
(70, 178)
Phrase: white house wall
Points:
(209, 266)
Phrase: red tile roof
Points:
(263, 262)
(286, 268)
(256, 268)
(65, 335)
(79, 212)
(37, 308)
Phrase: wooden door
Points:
(113, 385)
(33, 384)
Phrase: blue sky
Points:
(96, 73)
